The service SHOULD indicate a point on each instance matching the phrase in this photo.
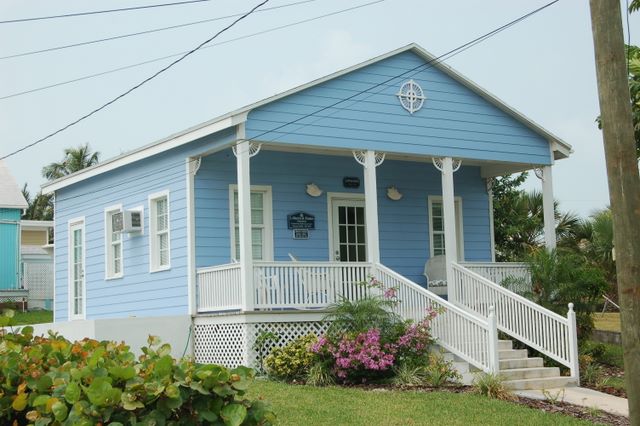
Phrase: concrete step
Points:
(505, 344)
(539, 383)
(530, 373)
(512, 353)
(507, 364)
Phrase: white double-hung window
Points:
(113, 242)
(159, 232)
(436, 227)
(261, 223)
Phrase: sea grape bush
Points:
(52, 381)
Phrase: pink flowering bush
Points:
(367, 340)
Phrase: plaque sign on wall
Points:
(301, 220)
(351, 182)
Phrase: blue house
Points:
(12, 204)
(259, 219)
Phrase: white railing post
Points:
(370, 160)
(548, 208)
(494, 356)
(243, 153)
(573, 345)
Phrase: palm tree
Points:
(75, 159)
(40, 207)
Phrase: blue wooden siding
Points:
(453, 122)
(138, 292)
(9, 248)
(404, 232)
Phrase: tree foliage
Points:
(75, 159)
(40, 206)
(519, 219)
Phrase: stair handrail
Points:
(468, 336)
(532, 324)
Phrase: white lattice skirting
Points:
(229, 339)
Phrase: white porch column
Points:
(548, 207)
(243, 151)
(370, 160)
(446, 166)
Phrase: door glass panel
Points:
(77, 271)
(351, 231)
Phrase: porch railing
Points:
(304, 285)
(471, 338)
(514, 276)
(535, 326)
(219, 288)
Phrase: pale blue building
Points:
(280, 207)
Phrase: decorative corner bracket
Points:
(194, 164)
(437, 162)
(254, 148)
(539, 173)
(360, 157)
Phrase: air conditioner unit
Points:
(132, 221)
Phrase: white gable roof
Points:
(10, 195)
(560, 148)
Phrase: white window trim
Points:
(459, 224)
(153, 197)
(70, 223)
(267, 219)
(107, 244)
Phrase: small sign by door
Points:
(301, 220)
(300, 234)
(351, 182)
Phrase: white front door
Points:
(348, 230)
(76, 270)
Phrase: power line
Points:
(146, 80)
(155, 30)
(97, 12)
(414, 70)
(138, 64)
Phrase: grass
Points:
(296, 405)
(609, 321)
(32, 317)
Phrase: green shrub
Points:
(320, 375)
(293, 361)
(49, 380)
(440, 372)
(492, 386)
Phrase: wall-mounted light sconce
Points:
(393, 193)
(313, 190)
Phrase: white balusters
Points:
(219, 288)
(456, 330)
(537, 327)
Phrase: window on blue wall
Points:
(159, 232)
(261, 224)
(113, 242)
(436, 227)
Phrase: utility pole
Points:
(624, 182)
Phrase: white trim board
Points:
(557, 145)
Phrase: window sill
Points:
(114, 277)
(160, 269)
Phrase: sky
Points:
(543, 67)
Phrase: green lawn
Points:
(305, 405)
(32, 317)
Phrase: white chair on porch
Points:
(267, 287)
(435, 270)
(312, 297)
